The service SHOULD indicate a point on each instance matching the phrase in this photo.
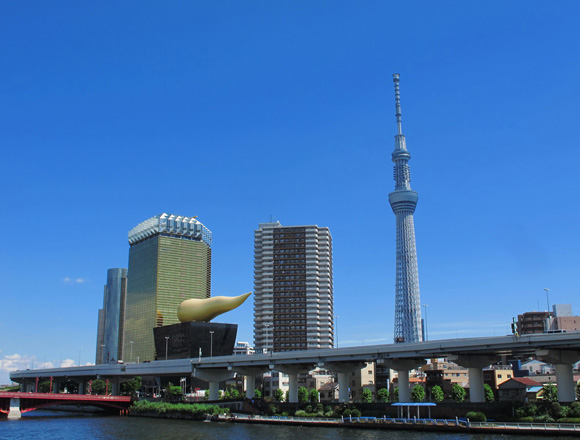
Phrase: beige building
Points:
(497, 375)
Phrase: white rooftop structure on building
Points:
(172, 225)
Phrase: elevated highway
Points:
(560, 349)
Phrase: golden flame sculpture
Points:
(208, 308)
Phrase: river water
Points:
(49, 425)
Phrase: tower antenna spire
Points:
(397, 103)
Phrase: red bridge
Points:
(14, 404)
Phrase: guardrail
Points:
(568, 427)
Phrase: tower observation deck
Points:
(403, 201)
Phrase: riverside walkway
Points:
(415, 424)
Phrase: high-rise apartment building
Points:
(403, 201)
(112, 318)
(293, 288)
(169, 262)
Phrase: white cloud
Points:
(67, 363)
(69, 280)
(13, 362)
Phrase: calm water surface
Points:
(48, 425)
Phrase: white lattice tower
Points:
(403, 202)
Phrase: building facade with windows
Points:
(169, 262)
(293, 288)
(112, 318)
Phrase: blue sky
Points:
(239, 112)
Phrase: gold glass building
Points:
(169, 262)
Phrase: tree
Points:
(437, 394)
(174, 392)
(131, 387)
(234, 393)
(44, 386)
(302, 395)
(396, 394)
(418, 393)
(550, 392)
(257, 394)
(458, 393)
(99, 386)
(287, 396)
(383, 395)
(70, 386)
(489, 396)
(278, 394)
(206, 395)
(313, 394)
(367, 395)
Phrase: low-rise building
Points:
(519, 389)
(243, 348)
(496, 375)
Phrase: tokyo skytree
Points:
(403, 202)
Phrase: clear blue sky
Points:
(112, 112)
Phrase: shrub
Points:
(545, 418)
(557, 411)
(574, 410)
(476, 416)
(196, 409)
(527, 419)
(308, 408)
(569, 420)
(300, 413)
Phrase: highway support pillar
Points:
(293, 371)
(114, 386)
(249, 374)
(475, 365)
(562, 361)
(403, 366)
(344, 370)
(214, 376)
(81, 386)
(14, 412)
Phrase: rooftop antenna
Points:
(396, 77)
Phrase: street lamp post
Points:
(426, 334)
(211, 343)
(547, 299)
(166, 345)
(80, 351)
(131, 342)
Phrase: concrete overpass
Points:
(560, 349)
